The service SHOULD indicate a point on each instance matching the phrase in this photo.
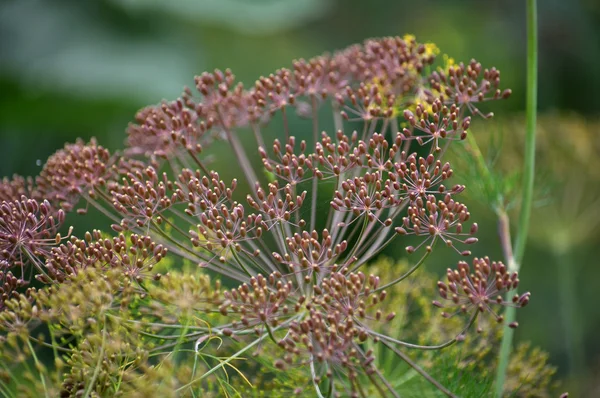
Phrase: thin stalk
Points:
(198, 162)
(38, 366)
(338, 123)
(359, 389)
(448, 343)
(377, 386)
(313, 374)
(528, 179)
(419, 370)
(361, 235)
(222, 364)
(504, 236)
(240, 263)
(180, 341)
(240, 154)
(406, 275)
(48, 345)
(258, 135)
(101, 208)
(315, 182)
(331, 211)
(90, 386)
(385, 383)
(55, 346)
(286, 125)
(529, 172)
(4, 390)
(394, 127)
(373, 245)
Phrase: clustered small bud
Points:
(8, 284)
(334, 157)
(141, 196)
(16, 187)
(278, 204)
(438, 219)
(308, 255)
(296, 263)
(165, 130)
(480, 289)
(444, 123)
(423, 177)
(28, 231)
(135, 256)
(465, 85)
(287, 165)
(77, 170)
(264, 301)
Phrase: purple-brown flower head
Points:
(319, 77)
(367, 196)
(8, 285)
(352, 295)
(16, 187)
(78, 169)
(310, 256)
(376, 153)
(277, 89)
(223, 229)
(277, 205)
(328, 343)
(367, 103)
(167, 131)
(142, 196)
(422, 177)
(285, 163)
(135, 256)
(433, 219)
(479, 288)
(224, 103)
(397, 60)
(465, 85)
(444, 123)
(204, 192)
(28, 230)
(262, 301)
(333, 157)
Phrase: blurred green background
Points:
(82, 68)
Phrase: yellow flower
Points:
(409, 38)
(447, 64)
(431, 49)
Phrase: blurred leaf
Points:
(252, 17)
(68, 48)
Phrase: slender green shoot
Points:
(528, 179)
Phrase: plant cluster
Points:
(297, 273)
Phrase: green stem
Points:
(180, 341)
(569, 312)
(383, 337)
(406, 275)
(92, 383)
(222, 364)
(39, 367)
(419, 370)
(315, 180)
(528, 179)
(529, 172)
